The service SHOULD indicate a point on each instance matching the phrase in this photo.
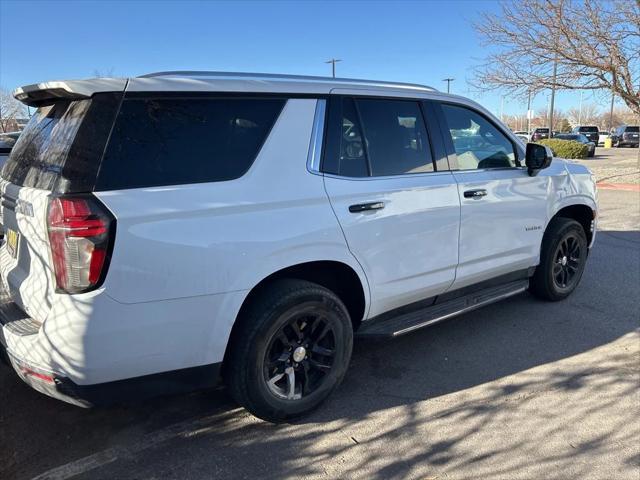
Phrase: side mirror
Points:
(537, 158)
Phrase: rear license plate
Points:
(13, 240)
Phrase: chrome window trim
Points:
(317, 136)
(468, 170)
(390, 177)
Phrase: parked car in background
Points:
(524, 136)
(7, 141)
(540, 133)
(590, 131)
(184, 225)
(626, 136)
(578, 137)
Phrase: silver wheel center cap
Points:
(299, 354)
(564, 261)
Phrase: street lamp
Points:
(448, 80)
(333, 62)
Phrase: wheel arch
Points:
(583, 213)
(337, 276)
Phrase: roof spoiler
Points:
(40, 94)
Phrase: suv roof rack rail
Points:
(278, 76)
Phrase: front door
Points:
(503, 208)
(400, 216)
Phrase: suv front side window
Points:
(477, 142)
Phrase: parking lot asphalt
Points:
(615, 165)
(521, 389)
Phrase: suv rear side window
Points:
(477, 142)
(379, 138)
(171, 141)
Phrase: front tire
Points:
(562, 260)
(290, 350)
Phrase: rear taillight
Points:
(80, 232)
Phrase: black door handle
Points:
(481, 192)
(362, 207)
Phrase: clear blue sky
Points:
(416, 41)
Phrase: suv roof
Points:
(39, 93)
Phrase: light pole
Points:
(553, 95)
(333, 62)
(613, 97)
(529, 113)
(448, 80)
(580, 112)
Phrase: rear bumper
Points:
(22, 348)
(117, 392)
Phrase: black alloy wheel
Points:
(563, 256)
(299, 356)
(567, 261)
(290, 349)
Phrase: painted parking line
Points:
(627, 187)
(186, 429)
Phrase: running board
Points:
(407, 322)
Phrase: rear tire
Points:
(289, 351)
(562, 260)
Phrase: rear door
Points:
(58, 152)
(503, 208)
(396, 201)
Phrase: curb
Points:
(628, 187)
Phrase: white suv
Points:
(171, 230)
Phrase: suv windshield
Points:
(61, 146)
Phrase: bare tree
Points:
(594, 42)
(590, 115)
(621, 116)
(10, 110)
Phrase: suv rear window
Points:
(632, 129)
(588, 129)
(170, 141)
(61, 146)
